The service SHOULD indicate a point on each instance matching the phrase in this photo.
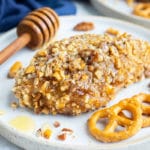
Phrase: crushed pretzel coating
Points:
(84, 26)
(81, 73)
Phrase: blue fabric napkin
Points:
(12, 11)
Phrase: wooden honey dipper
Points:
(35, 30)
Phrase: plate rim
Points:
(14, 132)
(107, 18)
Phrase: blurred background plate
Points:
(119, 9)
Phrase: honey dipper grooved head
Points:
(41, 24)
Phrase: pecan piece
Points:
(89, 56)
(62, 137)
(56, 124)
(84, 26)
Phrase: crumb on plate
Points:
(47, 133)
(62, 136)
(112, 31)
(39, 132)
(84, 26)
(56, 124)
(14, 105)
(14, 69)
(67, 130)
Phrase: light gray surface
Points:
(83, 8)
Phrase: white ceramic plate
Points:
(82, 138)
(119, 9)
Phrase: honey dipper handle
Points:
(15, 46)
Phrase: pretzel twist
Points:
(142, 97)
(131, 125)
(142, 9)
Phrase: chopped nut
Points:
(30, 69)
(62, 137)
(98, 74)
(84, 26)
(56, 124)
(26, 100)
(89, 56)
(42, 53)
(14, 105)
(47, 133)
(67, 130)
(39, 132)
(112, 31)
(110, 90)
(60, 105)
(44, 131)
(14, 69)
(83, 73)
(45, 111)
(57, 76)
(44, 87)
(84, 77)
(64, 87)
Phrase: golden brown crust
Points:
(82, 73)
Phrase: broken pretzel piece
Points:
(142, 98)
(142, 10)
